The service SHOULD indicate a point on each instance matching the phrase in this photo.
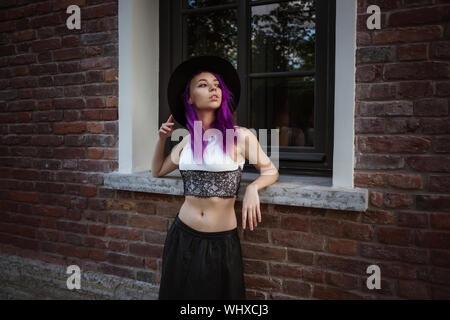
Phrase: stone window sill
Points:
(304, 191)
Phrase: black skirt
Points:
(201, 265)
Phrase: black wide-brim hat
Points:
(186, 70)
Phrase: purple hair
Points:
(224, 117)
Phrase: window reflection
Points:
(193, 4)
(212, 33)
(283, 36)
(286, 104)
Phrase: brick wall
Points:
(403, 143)
(58, 104)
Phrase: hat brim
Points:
(184, 72)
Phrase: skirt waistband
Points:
(187, 228)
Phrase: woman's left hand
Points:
(250, 207)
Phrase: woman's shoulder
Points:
(243, 130)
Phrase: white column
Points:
(138, 83)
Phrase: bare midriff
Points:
(211, 214)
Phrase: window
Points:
(284, 52)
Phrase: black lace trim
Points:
(202, 183)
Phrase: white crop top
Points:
(213, 157)
(217, 176)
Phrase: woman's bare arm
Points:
(162, 167)
(255, 154)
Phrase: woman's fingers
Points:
(250, 219)
(253, 215)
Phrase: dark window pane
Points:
(286, 104)
(193, 4)
(213, 33)
(283, 36)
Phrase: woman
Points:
(202, 254)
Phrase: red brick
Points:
(25, 35)
(97, 255)
(438, 183)
(394, 253)
(297, 288)
(24, 196)
(398, 200)
(370, 125)
(146, 250)
(282, 270)
(416, 70)
(117, 271)
(378, 217)
(327, 227)
(295, 223)
(393, 235)
(342, 247)
(412, 219)
(414, 89)
(404, 35)
(431, 107)
(257, 235)
(397, 270)
(433, 15)
(148, 222)
(103, 10)
(330, 293)
(341, 280)
(394, 144)
(126, 260)
(440, 258)
(428, 164)
(46, 45)
(440, 221)
(357, 231)
(263, 252)
(67, 128)
(433, 239)
(255, 267)
(342, 264)
(433, 202)
(411, 52)
(298, 256)
(376, 198)
(443, 89)
(406, 181)
(298, 240)
(412, 290)
(371, 73)
(312, 275)
(262, 283)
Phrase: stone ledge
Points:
(304, 191)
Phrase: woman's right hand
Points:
(166, 129)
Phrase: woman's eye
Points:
(218, 85)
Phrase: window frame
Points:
(313, 161)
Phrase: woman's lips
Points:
(214, 98)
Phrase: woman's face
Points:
(205, 91)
